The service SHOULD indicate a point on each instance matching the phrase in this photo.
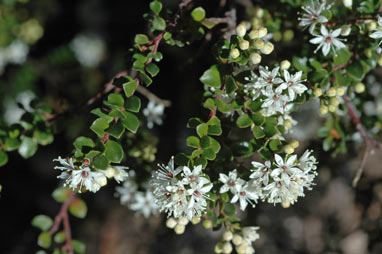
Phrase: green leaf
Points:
(129, 88)
(202, 129)
(201, 161)
(156, 6)
(99, 126)
(205, 142)
(255, 106)
(115, 99)
(60, 237)
(81, 142)
(78, 247)
(99, 113)
(153, 69)
(60, 194)
(27, 148)
(116, 130)
(270, 130)
(145, 78)
(133, 104)
(258, 118)
(193, 141)
(78, 208)
(242, 149)
(159, 24)
(355, 71)
(193, 122)
(198, 14)
(141, 39)
(131, 122)
(44, 240)
(101, 162)
(91, 154)
(3, 158)
(181, 159)
(243, 121)
(327, 14)
(210, 104)
(209, 153)
(265, 154)
(113, 151)
(222, 106)
(229, 209)
(43, 137)
(215, 130)
(230, 84)
(342, 56)
(42, 222)
(215, 144)
(211, 77)
(275, 145)
(258, 132)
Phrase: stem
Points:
(370, 142)
(62, 217)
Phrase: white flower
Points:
(127, 191)
(378, 33)
(267, 78)
(275, 102)
(166, 174)
(120, 173)
(154, 113)
(198, 201)
(191, 176)
(261, 171)
(17, 52)
(66, 168)
(250, 234)
(285, 169)
(230, 182)
(245, 194)
(84, 177)
(88, 49)
(144, 202)
(293, 84)
(328, 40)
(313, 14)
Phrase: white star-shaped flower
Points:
(154, 113)
(328, 40)
(313, 14)
(293, 84)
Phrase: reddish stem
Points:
(62, 217)
(105, 138)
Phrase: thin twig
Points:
(152, 97)
(369, 142)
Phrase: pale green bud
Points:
(288, 149)
(332, 92)
(359, 88)
(285, 65)
(268, 48)
(235, 53)
(244, 45)
(317, 92)
(241, 30)
(324, 109)
(255, 58)
(179, 229)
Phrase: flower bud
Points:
(262, 32)
(268, 48)
(288, 149)
(171, 222)
(259, 12)
(227, 248)
(359, 88)
(109, 172)
(348, 3)
(288, 35)
(288, 123)
(237, 239)
(285, 204)
(195, 220)
(294, 143)
(207, 224)
(242, 249)
(340, 91)
(332, 108)
(254, 34)
(218, 248)
(332, 92)
(285, 65)
(244, 45)
(235, 53)
(345, 30)
(179, 229)
(241, 30)
(317, 92)
(255, 58)
(368, 53)
(277, 36)
(227, 235)
(372, 25)
(255, 22)
(258, 43)
(334, 101)
(102, 180)
(324, 109)
(183, 221)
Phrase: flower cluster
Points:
(282, 181)
(241, 240)
(138, 201)
(79, 177)
(181, 192)
(377, 34)
(154, 113)
(275, 91)
(314, 14)
(179, 225)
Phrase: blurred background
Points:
(62, 52)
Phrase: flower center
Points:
(291, 83)
(243, 193)
(196, 193)
(84, 174)
(231, 183)
(269, 80)
(180, 191)
(276, 98)
(169, 175)
(313, 17)
(328, 39)
(192, 178)
(284, 168)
